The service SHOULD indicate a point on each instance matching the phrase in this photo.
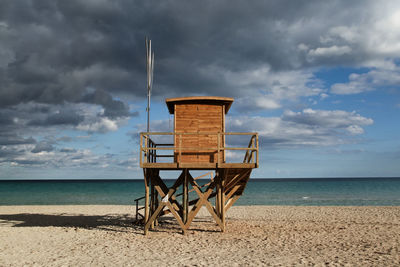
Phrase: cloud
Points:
(43, 146)
(76, 65)
(94, 51)
(329, 51)
(372, 35)
(102, 125)
(264, 89)
(369, 81)
(100, 45)
(306, 128)
(112, 108)
(291, 130)
(44, 154)
(60, 117)
(156, 126)
(49, 119)
(6, 139)
(326, 118)
(68, 150)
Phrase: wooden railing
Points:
(148, 148)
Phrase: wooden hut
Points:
(199, 143)
(199, 115)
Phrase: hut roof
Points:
(227, 101)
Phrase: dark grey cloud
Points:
(7, 139)
(64, 139)
(43, 146)
(61, 118)
(5, 119)
(68, 150)
(7, 154)
(59, 49)
(113, 108)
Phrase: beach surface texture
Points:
(255, 235)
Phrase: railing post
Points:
(141, 150)
(257, 149)
(252, 152)
(154, 153)
(146, 152)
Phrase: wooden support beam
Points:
(238, 178)
(167, 200)
(231, 201)
(185, 198)
(146, 202)
(218, 193)
(152, 202)
(157, 203)
(155, 197)
(162, 188)
(203, 200)
(203, 197)
(176, 215)
(223, 180)
(152, 218)
(233, 191)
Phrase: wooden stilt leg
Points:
(220, 207)
(152, 203)
(223, 203)
(185, 198)
(146, 201)
(155, 197)
(217, 197)
(156, 206)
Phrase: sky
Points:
(318, 80)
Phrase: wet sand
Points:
(255, 235)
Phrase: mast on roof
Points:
(150, 70)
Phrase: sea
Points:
(297, 192)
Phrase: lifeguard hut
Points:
(199, 142)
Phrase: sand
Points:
(256, 235)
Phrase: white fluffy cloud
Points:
(329, 51)
(267, 89)
(375, 39)
(388, 76)
(28, 155)
(306, 128)
(100, 125)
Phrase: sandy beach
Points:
(256, 235)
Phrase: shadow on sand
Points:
(107, 222)
(110, 222)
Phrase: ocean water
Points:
(302, 192)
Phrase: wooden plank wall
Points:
(195, 118)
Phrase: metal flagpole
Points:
(150, 70)
(149, 206)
